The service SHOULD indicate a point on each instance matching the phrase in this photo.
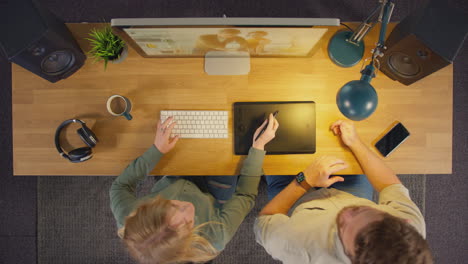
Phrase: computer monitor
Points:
(226, 43)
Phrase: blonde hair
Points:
(150, 239)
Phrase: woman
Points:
(184, 218)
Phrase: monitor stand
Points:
(227, 62)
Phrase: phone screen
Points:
(392, 139)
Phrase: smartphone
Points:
(392, 139)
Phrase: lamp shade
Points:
(357, 100)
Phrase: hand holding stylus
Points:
(264, 127)
(266, 132)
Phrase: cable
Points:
(347, 27)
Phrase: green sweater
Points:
(231, 214)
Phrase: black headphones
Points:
(88, 137)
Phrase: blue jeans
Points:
(357, 185)
(221, 187)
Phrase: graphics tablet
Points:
(296, 132)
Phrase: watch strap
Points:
(300, 178)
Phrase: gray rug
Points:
(75, 224)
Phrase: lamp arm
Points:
(387, 11)
(384, 17)
(364, 28)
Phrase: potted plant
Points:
(106, 46)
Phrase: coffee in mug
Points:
(118, 105)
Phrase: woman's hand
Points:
(163, 141)
(268, 135)
(318, 173)
(346, 131)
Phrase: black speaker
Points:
(424, 42)
(37, 40)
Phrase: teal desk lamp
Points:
(357, 99)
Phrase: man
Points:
(328, 225)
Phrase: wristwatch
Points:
(300, 178)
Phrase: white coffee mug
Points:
(118, 105)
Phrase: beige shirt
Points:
(310, 234)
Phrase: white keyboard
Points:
(198, 124)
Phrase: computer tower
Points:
(37, 40)
(424, 42)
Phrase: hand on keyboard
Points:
(163, 140)
(198, 124)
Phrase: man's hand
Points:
(163, 141)
(268, 135)
(347, 131)
(318, 173)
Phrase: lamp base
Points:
(342, 52)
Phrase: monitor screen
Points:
(194, 37)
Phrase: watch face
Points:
(300, 177)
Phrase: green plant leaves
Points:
(105, 45)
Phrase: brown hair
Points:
(391, 240)
(150, 239)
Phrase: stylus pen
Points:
(264, 128)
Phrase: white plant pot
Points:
(122, 56)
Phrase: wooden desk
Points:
(425, 108)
